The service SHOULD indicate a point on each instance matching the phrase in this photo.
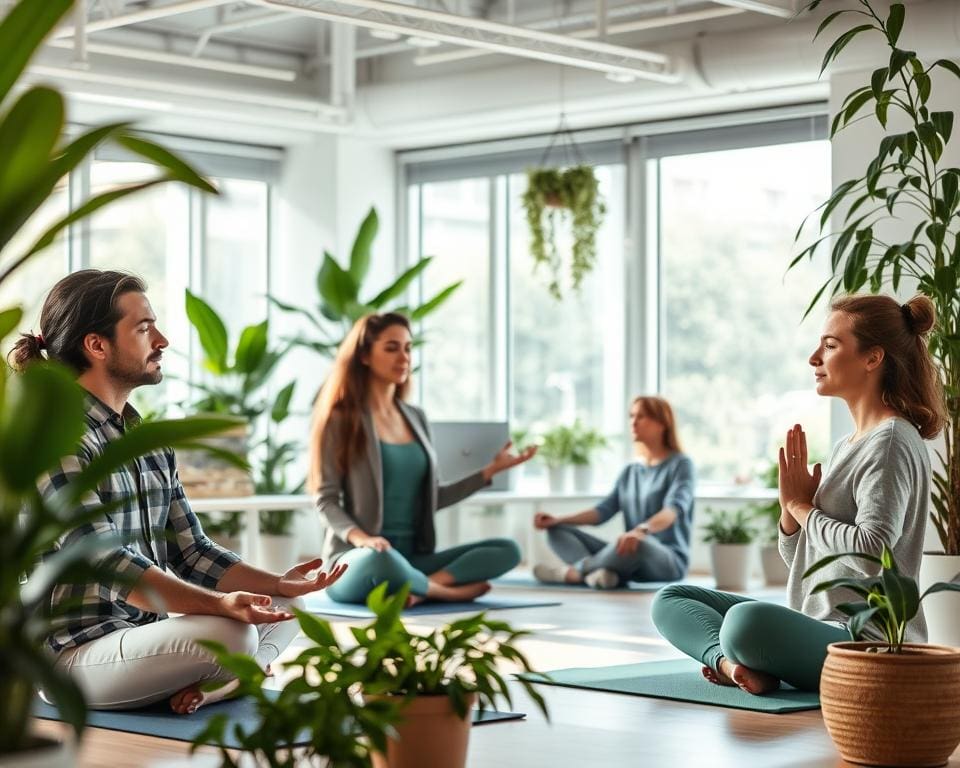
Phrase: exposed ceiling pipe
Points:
(234, 25)
(759, 6)
(165, 57)
(601, 19)
(147, 14)
(343, 66)
(622, 28)
(494, 36)
(311, 107)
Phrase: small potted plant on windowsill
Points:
(584, 444)
(554, 451)
(731, 538)
(885, 701)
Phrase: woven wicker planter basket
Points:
(892, 709)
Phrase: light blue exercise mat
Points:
(528, 581)
(679, 680)
(318, 602)
(158, 720)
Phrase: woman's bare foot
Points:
(191, 698)
(749, 680)
(461, 593)
(413, 600)
(717, 678)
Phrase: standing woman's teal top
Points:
(404, 474)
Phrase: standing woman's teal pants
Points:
(476, 561)
(708, 625)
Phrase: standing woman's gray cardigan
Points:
(355, 499)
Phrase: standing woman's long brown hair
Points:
(345, 391)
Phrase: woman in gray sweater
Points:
(875, 492)
(374, 471)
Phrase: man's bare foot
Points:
(191, 698)
(413, 600)
(749, 680)
(462, 593)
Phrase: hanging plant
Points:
(572, 194)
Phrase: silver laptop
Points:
(464, 447)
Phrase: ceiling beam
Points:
(236, 24)
(488, 35)
(137, 17)
(759, 6)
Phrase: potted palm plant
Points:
(887, 702)
(339, 289)
(553, 195)
(418, 690)
(730, 536)
(36, 155)
(909, 181)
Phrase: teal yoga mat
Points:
(528, 581)
(158, 720)
(318, 602)
(679, 680)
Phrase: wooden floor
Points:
(587, 729)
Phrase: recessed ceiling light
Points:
(422, 42)
(385, 34)
(621, 77)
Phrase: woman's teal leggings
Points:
(708, 625)
(477, 561)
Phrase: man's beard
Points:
(133, 373)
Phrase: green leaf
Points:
(841, 42)
(942, 586)
(924, 85)
(898, 60)
(316, 629)
(827, 21)
(211, 330)
(294, 310)
(251, 348)
(38, 667)
(825, 561)
(947, 64)
(400, 285)
(360, 254)
(173, 165)
(336, 286)
(425, 309)
(9, 320)
(895, 22)
(860, 621)
(142, 439)
(943, 124)
(878, 80)
(856, 105)
(21, 32)
(281, 405)
(931, 140)
(42, 395)
(902, 594)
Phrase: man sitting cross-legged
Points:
(118, 641)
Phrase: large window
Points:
(733, 350)
(690, 296)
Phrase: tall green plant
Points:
(339, 287)
(907, 180)
(42, 412)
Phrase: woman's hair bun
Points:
(920, 314)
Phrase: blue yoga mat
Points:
(679, 680)
(528, 581)
(158, 720)
(318, 602)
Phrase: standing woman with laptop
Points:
(373, 468)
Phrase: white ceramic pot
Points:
(277, 553)
(942, 610)
(48, 753)
(557, 479)
(775, 571)
(582, 478)
(731, 565)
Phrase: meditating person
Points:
(873, 355)
(117, 640)
(373, 468)
(655, 495)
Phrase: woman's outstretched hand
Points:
(505, 459)
(797, 484)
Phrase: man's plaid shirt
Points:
(156, 524)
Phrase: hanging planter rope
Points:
(567, 191)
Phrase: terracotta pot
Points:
(892, 709)
(430, 735)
